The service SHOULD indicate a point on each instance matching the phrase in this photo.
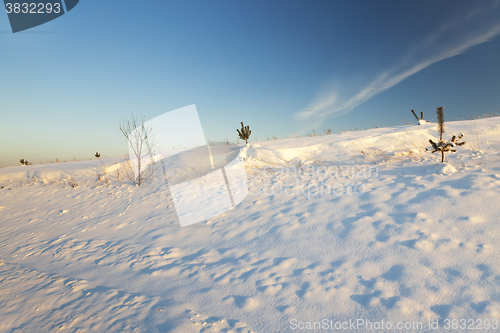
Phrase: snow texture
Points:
(359, 225)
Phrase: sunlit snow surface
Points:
(407, 240)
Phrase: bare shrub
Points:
(140, 164)
(73, 183)
(101, 174)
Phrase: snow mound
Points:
(365, 234)
(294, 156)
(443, 169)
(59, 172)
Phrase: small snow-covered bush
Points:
(102, 175)
(73, 183)
(421, 119)
(443, 146)
(244, 133)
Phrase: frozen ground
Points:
(399, 239)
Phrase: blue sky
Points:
(282, 67)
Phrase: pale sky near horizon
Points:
(282, 67)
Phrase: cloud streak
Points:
(438, 46)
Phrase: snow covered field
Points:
(362, 226)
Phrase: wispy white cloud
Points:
(452, 39)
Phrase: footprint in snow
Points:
(242, 302)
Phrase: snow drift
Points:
(412, 241)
